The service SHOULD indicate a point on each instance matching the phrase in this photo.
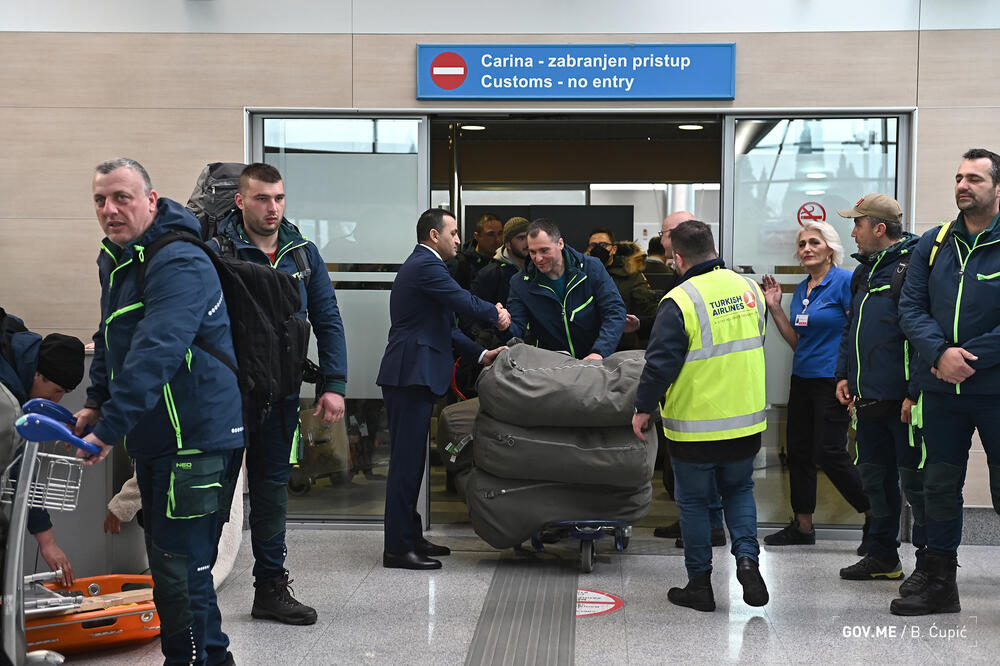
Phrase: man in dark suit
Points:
(416, 368)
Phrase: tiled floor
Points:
(371, 615)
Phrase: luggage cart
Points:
(587, 531)
(42, 480)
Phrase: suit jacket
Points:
(422, 308)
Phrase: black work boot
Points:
(697, 595)
(914, 584)
(939, 594)
(273, 600)
(754, 589)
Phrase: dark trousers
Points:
(949, 421)
(698, 488)
(182, 551)
(817, 435)
(268, 471)
(409, 409)
(885, 456)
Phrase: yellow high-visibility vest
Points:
(719, 393)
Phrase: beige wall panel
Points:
(48, 273)
(956, 68)
(49, 154)
(816, 69)
(175, 71)
(942, 136)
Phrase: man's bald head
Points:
(670, 222)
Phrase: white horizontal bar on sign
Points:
(346, 276)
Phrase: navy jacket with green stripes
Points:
(872, 352)
(955, 303)
(156, 389)
(591, 320)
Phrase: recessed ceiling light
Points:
(815, 193)
(816, 175)
(474, 128)
(690, 127)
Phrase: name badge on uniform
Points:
(802, 319)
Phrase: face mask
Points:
(600, 253)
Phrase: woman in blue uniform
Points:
(817, 422)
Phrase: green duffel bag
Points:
(454, 434)
(506, 512)
(610, 456)
(536, 387)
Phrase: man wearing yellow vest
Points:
(706, 354)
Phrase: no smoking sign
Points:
(448, 70)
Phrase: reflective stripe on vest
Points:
(719, 393)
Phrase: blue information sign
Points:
(575, 71)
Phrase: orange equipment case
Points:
(97, 629)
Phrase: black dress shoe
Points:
(410, 560)
(428, 549)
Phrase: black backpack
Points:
(270, 339)
(214, 195)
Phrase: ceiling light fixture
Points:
(473, 128)
(816, 175)
(691, 127)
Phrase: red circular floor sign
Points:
(448, 70)
(592, 602)
(811, 211)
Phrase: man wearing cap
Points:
(872, 377)
(492, 283)
(33, 367)
(948, 313)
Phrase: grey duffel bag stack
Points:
(553, 441)
(454, 440)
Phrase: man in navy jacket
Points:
(948, 312)
(416, 368)
(565, 299)
(177, 405)
(258, 231)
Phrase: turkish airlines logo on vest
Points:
(749, 300)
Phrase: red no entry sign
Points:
(448, 70)
(592, 602)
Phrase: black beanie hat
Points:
(60, 360)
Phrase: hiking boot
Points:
(672, 531)
(791, 535)
(863, 548)
(697, 594)
(754, 589)
(718, 538)
(871, 568)
(939, 594)
(914, 584)
(273, 600)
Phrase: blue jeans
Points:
(949, 421)
(697, 487)
(268, 471)
(885, 454)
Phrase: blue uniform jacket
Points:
(319, 301)
(872, 351)
(954, 303)
(151, 382)
(18, 380)
(422, 307)
(591, 318)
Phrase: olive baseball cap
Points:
(876, 205)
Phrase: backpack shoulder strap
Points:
(148, 252)
(899, 276)
(941, 239)
(301, 256)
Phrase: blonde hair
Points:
(829, 236)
